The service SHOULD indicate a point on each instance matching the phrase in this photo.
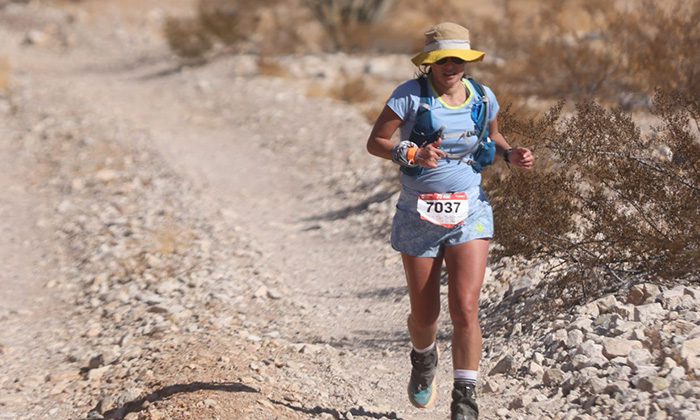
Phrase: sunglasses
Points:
(454, 60)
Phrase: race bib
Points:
(446, 210)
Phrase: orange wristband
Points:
(411, 153)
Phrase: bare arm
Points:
(518, 156)
(379, 142)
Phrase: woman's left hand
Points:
(521, 157)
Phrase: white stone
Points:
(535, 369)
(590, 349)
(690, 348)
(677, 373)
(606, 303)
(614, 347)
(590, 309)
(520, 401)
(36, 37)
(583, 324)
(638, 357)
(490, 387)
(503, 366)
(649, 313)
(626, 311)
(260, 292)
(106, 175)
(503, 413)
(575, 338)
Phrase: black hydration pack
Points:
(424, 132)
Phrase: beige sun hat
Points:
(447, 39)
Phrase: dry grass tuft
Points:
(352, 90)
(268, 66)
(187, 38)
(347, 22)
(316, 90)
(223, 23)
(171, 240)
(659, 44)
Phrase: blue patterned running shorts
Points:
(421, 238)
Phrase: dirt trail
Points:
(208, 242)
(263, 152)
(264, 190)
(24, 273)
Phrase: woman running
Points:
(449, 132)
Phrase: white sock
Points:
(465, 376)
(425, 350)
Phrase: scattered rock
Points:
(553, 377)
(615, 347)
(157, 279)
(652, 384)
(640, 294)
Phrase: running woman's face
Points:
(448, 71)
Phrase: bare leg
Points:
(423, 279)
(466, 264)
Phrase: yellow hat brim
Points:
(433, 56)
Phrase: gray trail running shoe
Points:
(421, 387)
(464, 405)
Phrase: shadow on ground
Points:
(160, 394)
(348, 211)
(374, 340)
(392, 293)
(356, 412)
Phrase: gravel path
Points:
(209, 243)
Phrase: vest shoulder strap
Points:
(424, 95)
(477, 86)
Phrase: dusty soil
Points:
(260, 157)
(207, 242)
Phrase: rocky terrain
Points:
(208, 242)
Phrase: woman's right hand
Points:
(429, 154)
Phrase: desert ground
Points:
(209, 242)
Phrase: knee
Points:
(465, 316)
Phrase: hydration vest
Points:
(424, 131)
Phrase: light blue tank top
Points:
(450, 175)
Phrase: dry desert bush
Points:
(610, 204)
(348, 21)
(659, 44)
(234, 26)
(577, 50)
(275, 26)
